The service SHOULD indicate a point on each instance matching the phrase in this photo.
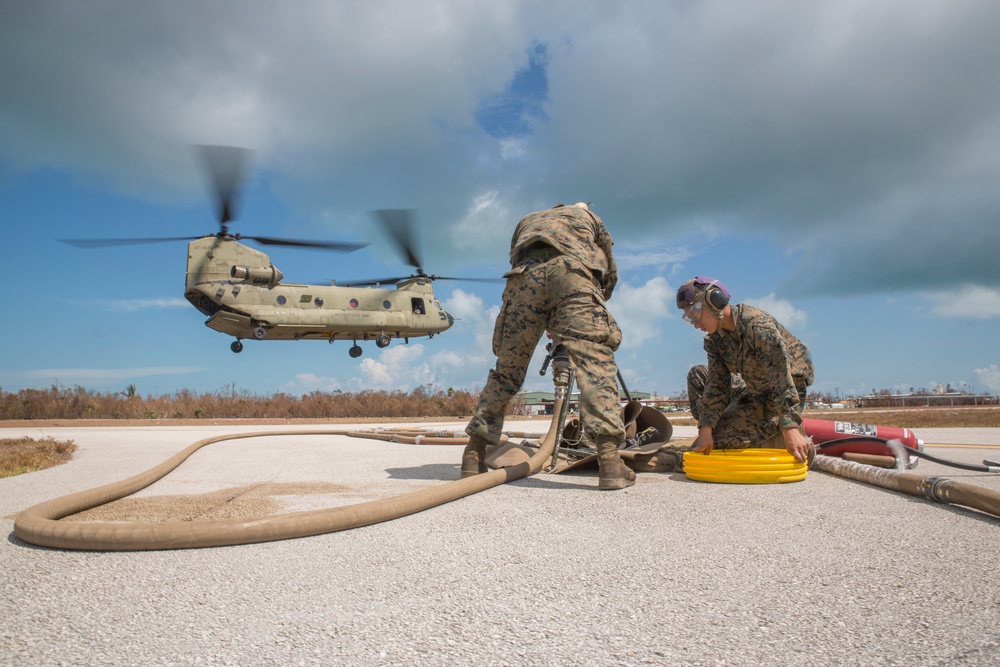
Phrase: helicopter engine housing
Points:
(269, 276)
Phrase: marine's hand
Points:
(705, 442)
(796, 443)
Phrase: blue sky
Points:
(835, 163)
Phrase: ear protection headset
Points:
(716, 294)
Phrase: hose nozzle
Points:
(560, 366)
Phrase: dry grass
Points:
(958, 417)
(915, 418)
(230, 403)
(21, 455)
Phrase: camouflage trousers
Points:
(558, 296)
(743, 423)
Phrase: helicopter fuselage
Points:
(241, 292)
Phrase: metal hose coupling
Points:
(562, 379)
(561, 369)
(936, 488)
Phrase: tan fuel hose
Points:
(40, 524)
(940, 489)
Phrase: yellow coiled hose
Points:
(744, 466)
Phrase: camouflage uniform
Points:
(755, 382)
(562, 274)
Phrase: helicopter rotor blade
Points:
(226, 167)
(328, 245)
(105, 243)
(467, 280)
(398, 223)
(399, 279)
(369, 283)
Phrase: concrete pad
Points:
(542, 571)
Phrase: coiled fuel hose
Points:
(40, 524)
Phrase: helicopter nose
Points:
(451, 319)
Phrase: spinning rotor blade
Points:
(104, 243)
(369, 283)
(399, 224)
(467, 280)
(264, 240)
(398, 279)
(328, 245)
(227, 168)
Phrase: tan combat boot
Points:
(474, 456)
(614, 474)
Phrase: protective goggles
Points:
(692, 313)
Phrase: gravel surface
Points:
(542, 571)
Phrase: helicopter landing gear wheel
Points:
(355, 351)
(237, 346)
(259, 333)
(382, 340)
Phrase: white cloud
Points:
(487, 224)
(424, 374)
(472, 318)
(393, 370)
(449, 359)
(397, 356)
(376, 374)
(640, 310)
(660, 258)
(989, 376)
(309, 382)
(514, 148)
(791, 317)
(973, 301)
(463, 305)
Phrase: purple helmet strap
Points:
(707, 282)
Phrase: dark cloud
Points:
(858, 133)
(862, 135)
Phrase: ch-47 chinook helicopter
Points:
(244, 296)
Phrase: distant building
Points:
(817, 405)
(950, 399)
(536, 402)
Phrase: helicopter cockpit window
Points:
(353, 303)
(387, 304)
(318, 301)
(281, 299)
(418, 306)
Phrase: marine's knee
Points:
(697, 374)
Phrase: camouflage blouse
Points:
(577, 234)
(773, 363)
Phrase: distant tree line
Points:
(77, 402)
(229, 403)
